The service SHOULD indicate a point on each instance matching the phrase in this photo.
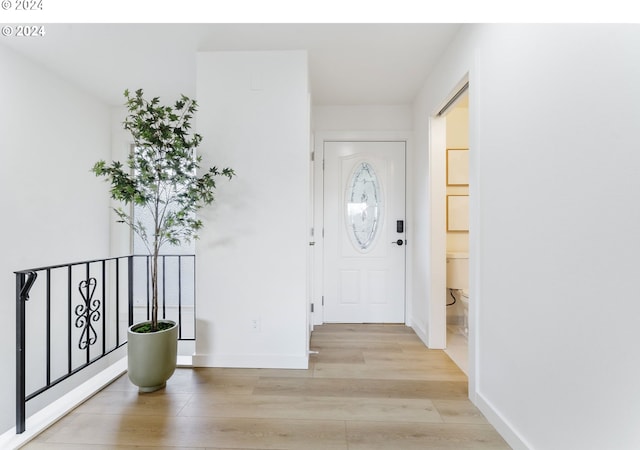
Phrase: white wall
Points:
(428, 172)
(555, 363)
(252, 255)
(54, 209)
(362, 118)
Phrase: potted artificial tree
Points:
(163, 176)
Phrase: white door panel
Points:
(364, 251)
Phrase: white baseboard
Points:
(252, 361)
(421, 332)
(39, 421)
(184, 361)
(502, 426)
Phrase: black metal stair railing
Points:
(70, 316)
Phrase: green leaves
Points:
(161, 174)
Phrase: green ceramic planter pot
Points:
(152, 356)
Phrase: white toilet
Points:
(458, 282)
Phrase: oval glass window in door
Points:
(364, 206)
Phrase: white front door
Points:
(364, 232)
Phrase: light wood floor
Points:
(369, 387)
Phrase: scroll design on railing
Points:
(87, 313)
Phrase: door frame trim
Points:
(320, 137)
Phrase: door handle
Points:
(398, 242)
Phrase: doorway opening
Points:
(449, 224)
(457, 231)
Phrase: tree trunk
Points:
(154, 288)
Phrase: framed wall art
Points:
(457, 167)
(457, 213)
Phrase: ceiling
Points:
(349, 64)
